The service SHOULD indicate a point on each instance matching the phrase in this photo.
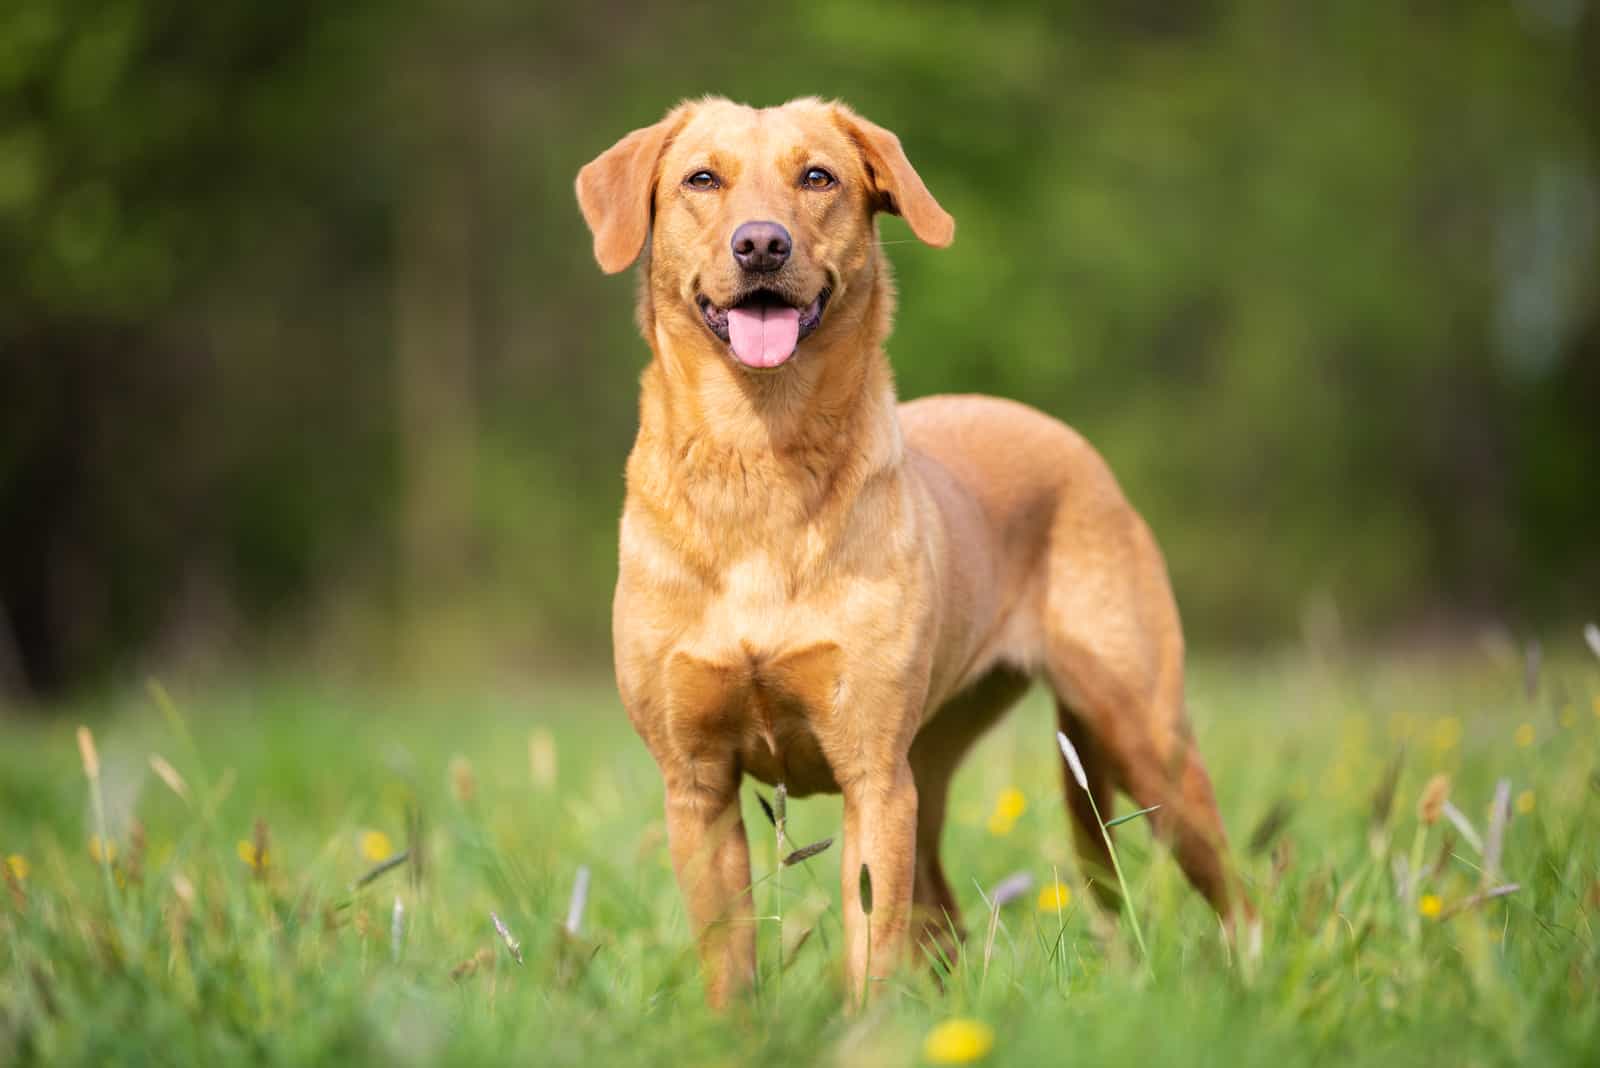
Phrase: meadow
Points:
(299, 872)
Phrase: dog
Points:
(822, 588)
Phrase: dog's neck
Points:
(740, 451)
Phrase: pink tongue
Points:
(763, 336)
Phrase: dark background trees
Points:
(302, 352)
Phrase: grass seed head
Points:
(805, 853)
(1430, 806)
(865, 889)
(1494, 838)
(88, 754)
(1383, 796)
(1070, 754)
(102, 850)
(169, 775)
(1010, 888)
(1271, 825)
(542, 758)
(512, 944)
(579, 900)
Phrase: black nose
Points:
(761, 246)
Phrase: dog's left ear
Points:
(616, 191)
(897, 187)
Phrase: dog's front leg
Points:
(880, 832)
(711, 857)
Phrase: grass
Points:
(178, 945)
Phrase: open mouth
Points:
(763, 328)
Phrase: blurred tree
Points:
(301, 338)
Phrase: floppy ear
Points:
(897, 187)
(616, 191)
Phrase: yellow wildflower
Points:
(1524, 736)
(17, 865)
(1008, 807)
(102, 851)
(375, 846)
(958, 1041)
(1054, 897)
(1430, 906)
(247, 853)
(1525, 802)
(1447, 733)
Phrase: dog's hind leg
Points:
(1145, 748)
(1114, 652)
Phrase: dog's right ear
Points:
(617, 189)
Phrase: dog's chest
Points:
(759, 663)
(771, 710)
(764, 675)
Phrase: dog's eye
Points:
(702, 180)
(817, 178)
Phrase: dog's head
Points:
(759, 222)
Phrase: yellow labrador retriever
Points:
(822, 588)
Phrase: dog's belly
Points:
(768, 708)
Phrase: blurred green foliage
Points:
(300, 335)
